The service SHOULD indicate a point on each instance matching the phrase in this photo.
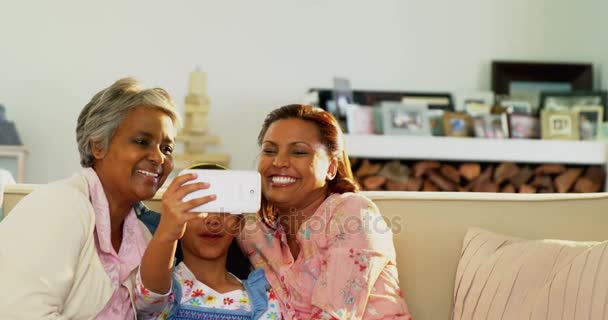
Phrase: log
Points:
(441, 182)
(414, 184)
(564, 181)
(367, 169)
(422, 167)
(392, 185)
(374, 183)
(504, 171)
(470, 171)
(549, 168)
(508, 188)
(428, 185)
(542, 182)
(596, 174)
(486, 186)
(523, 176)
(395, 171)
(546, 190)
(526, 188)
(486, 175)
(585, 185)
(450, 173)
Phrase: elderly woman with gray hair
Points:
(70, 249)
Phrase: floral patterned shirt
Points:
(152, 305)
(346, 267)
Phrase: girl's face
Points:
(209, 238)
(294, 164)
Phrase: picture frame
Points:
(603, 132)
(590, 119)
(463, 99)
(433, 100)
(342, 96)
(517, 106)
(567, 100)
(526, 79)
(402, 119)
(436, 122)
(475, 109)
(457, 124)
(559, 125)
(491, 126)
(360, 119)
(523, 126)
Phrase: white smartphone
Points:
(237, 191)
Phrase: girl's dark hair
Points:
(236, 262)
(331, 137)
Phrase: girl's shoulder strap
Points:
(257, 288)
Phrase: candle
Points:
(198, 83)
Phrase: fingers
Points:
(179, 181)
(191, 204)
(189, 188)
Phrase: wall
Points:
(259, 55)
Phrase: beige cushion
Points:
(502, 277)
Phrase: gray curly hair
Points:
(100, 118)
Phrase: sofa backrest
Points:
(429, 228)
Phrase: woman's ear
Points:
(97, 150)
(332, 170)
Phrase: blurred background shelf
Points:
(476, 149)
(19, 153)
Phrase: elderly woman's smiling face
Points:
(138, 158)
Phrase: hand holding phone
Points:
(236, 191)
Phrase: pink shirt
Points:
(346, 267)
(119, 265)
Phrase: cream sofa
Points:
(429, 229)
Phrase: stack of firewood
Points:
(397, 175)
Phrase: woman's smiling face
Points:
(138, 158)
(294, 164)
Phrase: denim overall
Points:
(256, 286)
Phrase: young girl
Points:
(199, 287)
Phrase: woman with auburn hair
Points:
(326, 250)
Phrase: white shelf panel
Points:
(476, 149)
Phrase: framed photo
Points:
(478, 109)
(517, 106)
(456, 124)
(399, 119)
(589, 121)
(491, 126)
(559, 124)
(527, 79)
(434, 101)
(567, 100)
(436, 122)
(343, 96)
(603, 132)
(360, 119)
(523, 126)
(463, 99)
